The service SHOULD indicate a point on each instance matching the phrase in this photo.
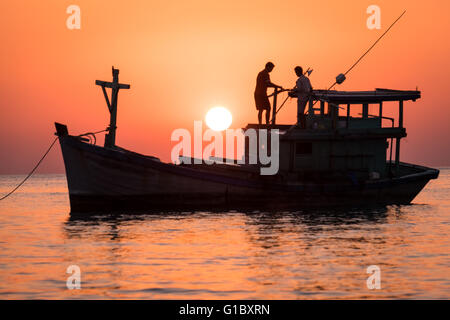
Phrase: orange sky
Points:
(182, 58)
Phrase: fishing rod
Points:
(342, 76)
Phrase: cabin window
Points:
(303, 148)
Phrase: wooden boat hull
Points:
(102, 180)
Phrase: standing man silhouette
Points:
(302, 91)
(261, 100)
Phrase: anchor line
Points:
(32, 171)
(42, 158)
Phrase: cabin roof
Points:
(358, 97)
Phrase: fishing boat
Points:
(341, 158)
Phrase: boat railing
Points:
(338, 100)
(330, 102)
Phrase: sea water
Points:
(222, 255)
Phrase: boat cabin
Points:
(341, 136)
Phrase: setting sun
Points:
(218, 118)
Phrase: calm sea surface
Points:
(232, 255)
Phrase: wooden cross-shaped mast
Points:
(110, 137)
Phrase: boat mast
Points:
(110, 137)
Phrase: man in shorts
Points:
(261, 100)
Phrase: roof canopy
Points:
(359, 97)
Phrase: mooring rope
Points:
(45, 154)
(32, 171)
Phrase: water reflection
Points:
(318, 216)
(264, 229)
(224, 255)
(271, 251)
(265, 223)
